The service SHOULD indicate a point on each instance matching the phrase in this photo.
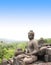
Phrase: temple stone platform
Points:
(41, 63)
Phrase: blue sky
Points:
(17, 17)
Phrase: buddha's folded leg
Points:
(20, 56)
(30, 59)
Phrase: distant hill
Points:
(10, 41)
(6, 41)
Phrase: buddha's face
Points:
(30, 36)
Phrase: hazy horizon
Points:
(17, 17)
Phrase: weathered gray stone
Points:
(4, 62)
(15, 61)
(46, 58)
(49, 58)
(48, 51)
(8, 64)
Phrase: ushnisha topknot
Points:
(31, 32)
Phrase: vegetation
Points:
(7, 50)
